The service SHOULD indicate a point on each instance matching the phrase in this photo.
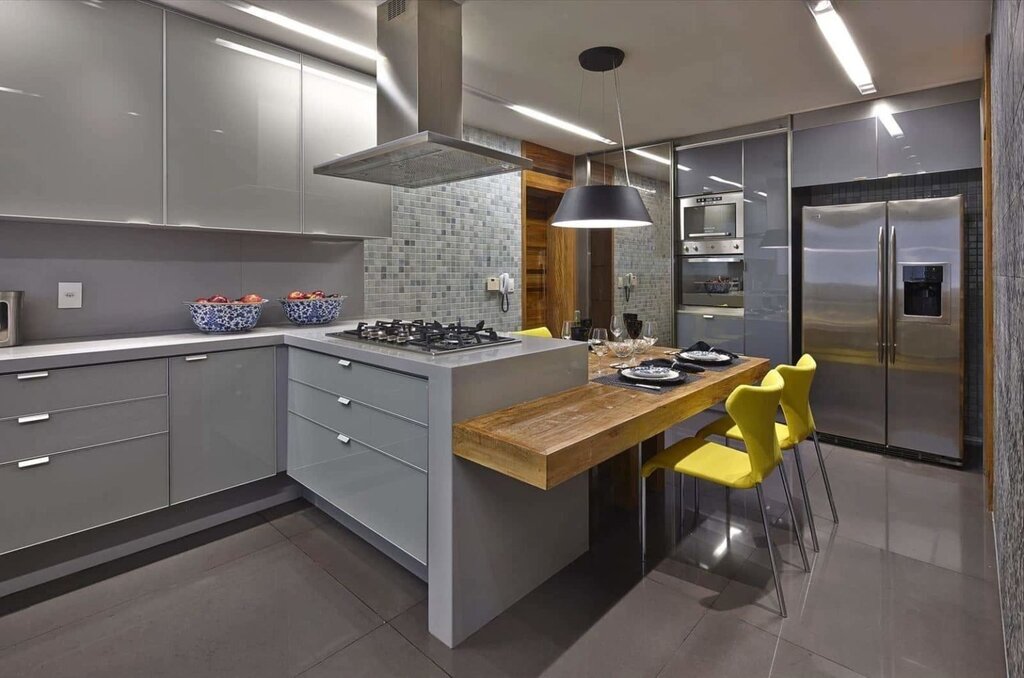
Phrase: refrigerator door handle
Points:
(892, 295)
(881, 295)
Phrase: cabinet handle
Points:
(33, 375)
(708, 317)
(345, 363)
(344, 401)
(193, 358)
(29, 463)
(32, 418)
(343, 438)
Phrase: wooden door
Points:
(548, 255)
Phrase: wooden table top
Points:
(546, 441)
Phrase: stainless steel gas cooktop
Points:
(425, 337)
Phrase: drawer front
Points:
(385, 495)
(721, 331)
(398, 437)
(74, 491)
(390, 391)
(48, 390)
(45, 433)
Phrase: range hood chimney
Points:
(419, 104)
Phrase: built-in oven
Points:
(714, 281)
(711, 224)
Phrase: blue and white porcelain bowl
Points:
(229, 317)
(312, 311)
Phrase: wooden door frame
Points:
(548, 183)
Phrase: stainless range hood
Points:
(419, 104)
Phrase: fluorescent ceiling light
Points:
(266, 56)
(725, 181)
(884, 116)
(657, 158)
(561, 124)
(839, 39)
(307, 30)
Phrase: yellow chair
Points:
(753, 409)
(796, 409)
(536, 332)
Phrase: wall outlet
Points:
(69, 295)
(492, 283)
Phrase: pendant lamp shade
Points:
(601, 206)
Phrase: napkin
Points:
(704, 346)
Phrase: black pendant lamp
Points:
(603, 206)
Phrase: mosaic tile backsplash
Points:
(445, 241)
(1008, 222)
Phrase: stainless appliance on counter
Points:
(10, 318)
(882, 315)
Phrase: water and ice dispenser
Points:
(923, 290)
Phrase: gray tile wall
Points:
(446, 240)
(135, 279)
(1008, 218)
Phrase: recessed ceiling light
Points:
(561, 124)
(306, 29)
(839, 39)
(657, 158)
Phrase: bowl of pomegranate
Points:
(312, 308)
(218, 314)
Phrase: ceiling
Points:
(691, 65)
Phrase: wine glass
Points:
(599, 341)
(567, 329)
(616, 328)
(649, 333)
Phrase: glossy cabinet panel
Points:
(718, 329)
(935, 139)
(233, 130)
(338, 118)
(835, 153)
(223, 421)
(717, 168)
(81, 104)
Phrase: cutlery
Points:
(653, 388)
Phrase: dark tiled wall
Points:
(1008, 268)
(937, 185)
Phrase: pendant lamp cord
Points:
(622, 134)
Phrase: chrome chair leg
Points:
(824, 475)
(771, 551)
(807, 499)
(792, 515)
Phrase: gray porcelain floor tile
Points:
(295, 517)
(723, 646)
(274, 613)
(387, 587)
(134, 576)
(382, 653)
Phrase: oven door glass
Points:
(711, 281)
(709, 221)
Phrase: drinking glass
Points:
(616, 328)
(567, 329)
(622, 348)
(599, 341)
(649, 334)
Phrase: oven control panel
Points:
(711, 247)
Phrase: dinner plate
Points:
(705, 357)
(651, 374)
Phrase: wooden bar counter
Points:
(546, 441)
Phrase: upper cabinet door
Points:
(81, 105)
(832, 154)
(934, 139)
(339, 117)
(717, 168)
(233, 130)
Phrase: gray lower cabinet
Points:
(721, 330)
(82, 110)
(233, 130)
(222, 421)
(49, 497)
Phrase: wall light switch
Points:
(69, 295)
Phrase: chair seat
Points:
(726, 427)
(705, 460)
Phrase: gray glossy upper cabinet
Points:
(81, 104)
(339, 117)
(765, 237)
(835, 153)
(934, 139)
(233, 130)
(222, 421)
(717, 168)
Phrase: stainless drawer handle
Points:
(345, 363)
(343, 438)
(708, 317)
(32, 418)
(33, 375)
(344, 401)
(193, 358)
(29, 463)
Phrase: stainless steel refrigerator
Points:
(882, 316)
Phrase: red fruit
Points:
(218, 299)
(318, 294)
(201, 300)
(251, 299)
(297, 294)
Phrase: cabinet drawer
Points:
(719, 330)
(49, 390)
(385, 495)
(74, 491)
(390, 391)
(398, 437)
(46, 433)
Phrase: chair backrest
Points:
(796, 397)
(536, 332)
(753, 409)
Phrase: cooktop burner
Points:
(427, 337)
